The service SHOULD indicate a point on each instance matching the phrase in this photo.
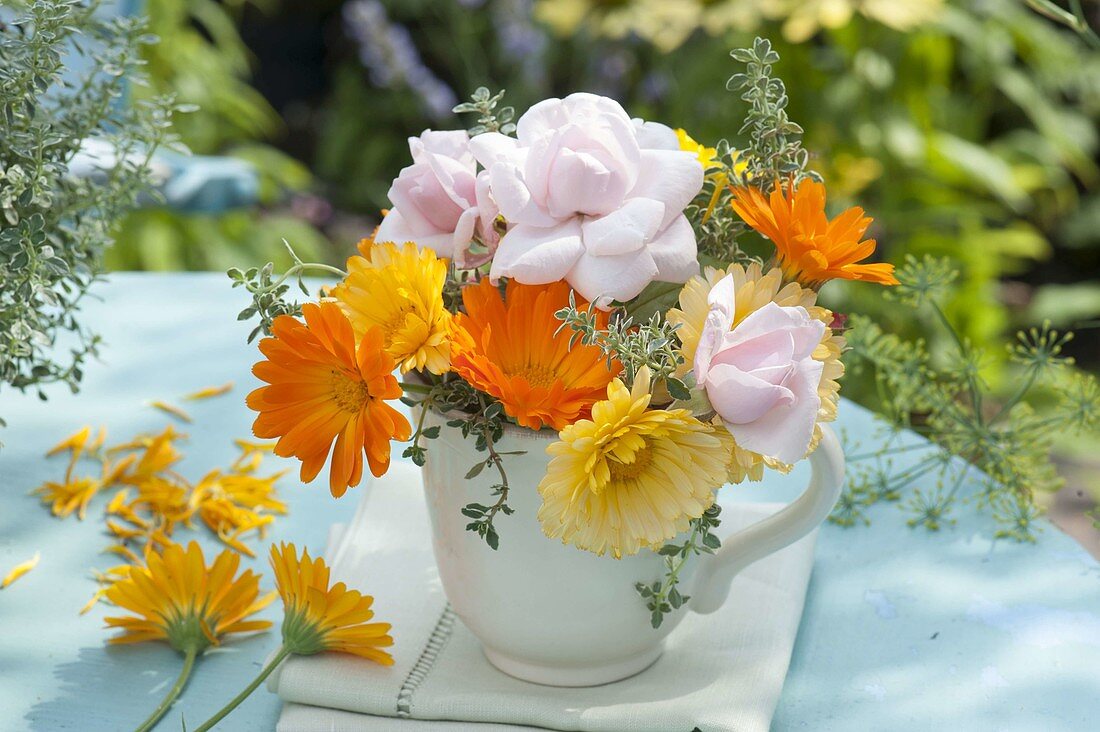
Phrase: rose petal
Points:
(395, 228)
(673, 177)
(537, 256)
(675, 252)
(743, 397)
(784, 433)
(624, 230)
(619, 277)
(655, 136)
(514, 199)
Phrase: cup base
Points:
(574, 676)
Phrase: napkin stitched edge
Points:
(437, 641)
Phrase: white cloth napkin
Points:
(720, 672)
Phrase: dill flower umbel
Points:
(753, 289)
(319, 617)
(630, 477)
(399, 288)
(809, 247)
(323, 388)
(516, 350)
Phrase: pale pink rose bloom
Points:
(437, 201)
(591, 197)
(761, 377)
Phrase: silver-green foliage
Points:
(54, 226)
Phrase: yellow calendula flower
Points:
(71, 494)
(178, 598)
(753, 289)
(319, 617)
(399, 289)
(707, 155)
(630, 477)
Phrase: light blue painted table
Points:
(902, 630)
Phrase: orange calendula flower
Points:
(323, 388)
(319, 617)
(178, 598)
(514, 349)
(810, 248)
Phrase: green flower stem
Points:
(235, 702)
(300, 268)
(417, 388)
(174, 692)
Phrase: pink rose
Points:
(761, 377)
(437, 202)
(591, 197)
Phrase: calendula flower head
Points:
(630, 477)
(810, 248)
(319, 617)
(178, 598)
(399, 288)
(514, 348)
(753, 289)
(323, 388)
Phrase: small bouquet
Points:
(579, 271)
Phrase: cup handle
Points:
(713, 578)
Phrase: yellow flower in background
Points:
(178, 598)
(630, 477)
(706, 155)
(753, 289)
(804, 18)
(399, 289)
(70, 495)
(319, 617)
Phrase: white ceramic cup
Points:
(552, 614)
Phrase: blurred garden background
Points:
(966, 128)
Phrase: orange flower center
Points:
(537, 375)
(629, 471)
(349, 394)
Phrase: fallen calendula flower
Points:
(176, 597)
(19, 570)
(317, 616)
(209, 391)
(171, 409)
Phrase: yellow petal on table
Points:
(171, 409)
(19, 570)
(210, 391)
(75, 442)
